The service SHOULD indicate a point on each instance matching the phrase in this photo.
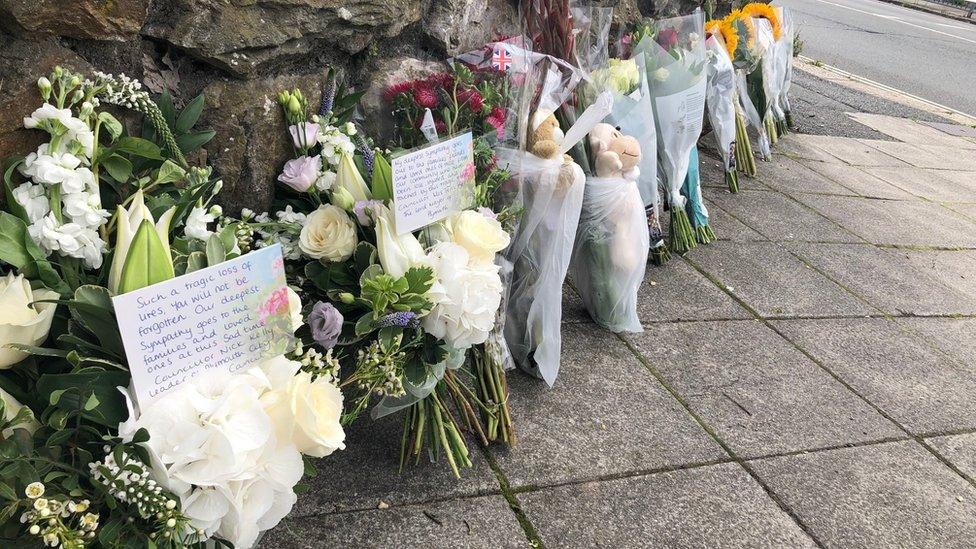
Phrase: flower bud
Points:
(294, 106)
(283, 98)
(347, 298)
(44, 85)
(58, 71)
(75, 81)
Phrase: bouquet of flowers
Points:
(91, 214)
(721, 98)
(763, 83)
(739, 35)
(785, 54)
(674, 53)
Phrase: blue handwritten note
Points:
(431, 183)
(228, 317)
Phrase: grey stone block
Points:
(861, 181)
(367, 473)
(887, 278)
(778, 218)
(885, 495)
(960, 450)
(952, 336)
(482, 522)
(939, 185)
(606, 415)
(852, 151)
(676, 291)
(901, 222)
(760, 394)
(788, 175)
(774, 282)
(727, 227)
(916, 385)
(795, 146)
(717, 506)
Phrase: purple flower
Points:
(304, 137)
(369, 155)
(404, 319)
(300, 173)
(326, 324)
(366, 211)
(487, 213)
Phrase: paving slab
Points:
(955, 268)
(960, 450)
(856, 152)
(796, 146)
(860, 182)
(910, 131)
(606, 415)
(774, 282)
(888, 279)
(717, 506)
(757, 391)
(676, 291)
(952, 158)
(938, 185)
(368, 472)
(953, 336)
(727, 227)
(912, 153)
(788, 175)
(573, 308)
(885, 495)
(918, 386)
(779, 218)
(966, 210)
(482, 522)
(899, 222)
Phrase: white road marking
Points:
(893, 18)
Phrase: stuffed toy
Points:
(616, 154)
(544, 141)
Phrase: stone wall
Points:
(240, 53)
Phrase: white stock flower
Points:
(22, 321)
(466, 297)
(59, 169)
(45, 114)
(329, 233)
(482, 236)
(33, 199)
(196, 223)
(334, 144)
(85, 209)
(325, 181)
(69, 239)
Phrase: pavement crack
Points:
(737, 404)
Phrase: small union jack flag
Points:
(501, 58)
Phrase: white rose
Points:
(480, 235)
(11, 407)
(307, 413)
(329, 233)
(22, 322)
(466, 297)
(295, 310)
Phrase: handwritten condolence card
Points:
(228, 316)
(432, 183)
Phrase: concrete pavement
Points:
(807, 380)
(917, 52)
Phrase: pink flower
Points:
(394, 90)
(443, 80)
(497, 120)
(304, 137)
(425, 96)
(667, 38)
(467, 173)
(300, 173)
(276, 304)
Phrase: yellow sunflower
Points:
(727, 30)
(738, 17)
(767, 12)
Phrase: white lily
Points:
(397, 253)
(350, 180)
(129, 222)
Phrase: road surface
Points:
(923, 54)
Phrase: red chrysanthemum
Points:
(443, 80)
(472, 99)
(425, 96)
(497, 120)
(394, 90)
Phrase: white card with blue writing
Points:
(431, 183)
(228, 317)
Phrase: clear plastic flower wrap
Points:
(674, 55)
(720, 99)
(551, 191)
(752, 87)
(786, 53)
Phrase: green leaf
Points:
(91, 403)
(364, 325)
(7, 492)
(111, 124)
(169, 172)
(165, 105)
(189, 142)
(419, 279)
(215, 250)
(190, 114)
(103, 384)
(18, 249)
(138, 146)
(8, 188)
(196, 261)
(148, 261)
(92, 309)
(118, 167)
